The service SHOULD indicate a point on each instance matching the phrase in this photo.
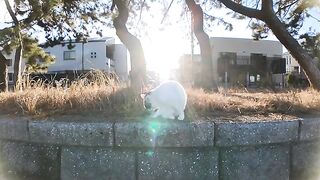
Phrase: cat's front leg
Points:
(181, 116)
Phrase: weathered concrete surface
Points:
(164, 134)
(232, 134)
(29, 161)
(14, 129)
(178, 164)
(99, 164)
(310, 129)
(305, 161)
(86, 134)
(263, 163)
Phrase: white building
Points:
(246, 62)
(291, 63)
(94, 54)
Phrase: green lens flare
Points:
(154, 127)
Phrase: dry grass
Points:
(245, 105)
(104, 96)
(99, 95)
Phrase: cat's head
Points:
(148, 101)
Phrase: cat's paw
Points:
(181, 116)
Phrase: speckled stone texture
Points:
(164, 134)
(305, 161)
(14, 129)
(86, 134)
(29, 161)
(178, 164)
(310, 129)
(262, 163)
(79, 163)
(233, 134)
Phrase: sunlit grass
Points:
(100, 95)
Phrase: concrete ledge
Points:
(164, 134)
(85, 134)
(31, 160)
(178, 164)
(263, 163)
(310, 129)
(14, 130)
(159, 150)
(306, 161)
(97, 163)
(233, 134)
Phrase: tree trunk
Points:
(301, 55)
(3, 73)
(17, 68)
(18, 53)
(206, 79)
(138, 64)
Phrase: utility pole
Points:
(82, 57)
(192, 46)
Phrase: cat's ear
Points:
(143, 95)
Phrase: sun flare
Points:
(163, 52)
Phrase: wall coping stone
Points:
(162, 133)
(309, 129)
(71, 133)
(230, 134)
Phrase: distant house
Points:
(74, 58)
(246, 62)
(292, 64)
(293, 67)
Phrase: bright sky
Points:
(166, 41)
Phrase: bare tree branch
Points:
(144, 1)
(13, 16)
(250, 12)
(165, 14)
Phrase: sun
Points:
(162, 52)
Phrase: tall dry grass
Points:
(93, 93)
(231, 103)
(98, 94)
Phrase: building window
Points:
(93, 55)
(228, 58)
(69, 55)
(243, 60)
(252, 79)
(10, 77)
(296, 68)
(258, 77)
(9, 62)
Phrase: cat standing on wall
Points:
(167, 100)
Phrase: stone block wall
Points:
(165, 150)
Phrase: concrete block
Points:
(164, 134)
(310, 129)
(71, 133)
(178, 164)
(14, 129)
(95, 163)
(305, 161)
(263, 163)
(29, 161)
(232, 134)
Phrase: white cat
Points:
(167, 100)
